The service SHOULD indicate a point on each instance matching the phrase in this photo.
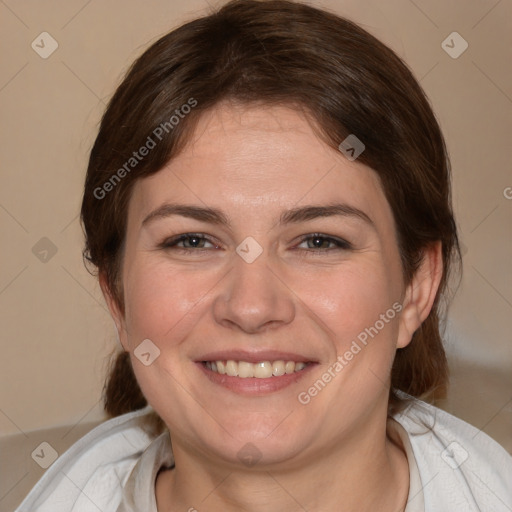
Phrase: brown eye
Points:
(318, 241)
(188, 241)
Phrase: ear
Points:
(420, 294)
(115, 310)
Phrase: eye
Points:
(323, 243)
(188, 241)
(317, 242)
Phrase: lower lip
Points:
(253, 385)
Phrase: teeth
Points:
(231, 369)
(245, 370)
(262, 370)
(278, 368)
(289, 367)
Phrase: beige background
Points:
(56, 334)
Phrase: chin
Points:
(256, 444)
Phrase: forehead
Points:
(259, 159)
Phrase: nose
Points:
(253, 297)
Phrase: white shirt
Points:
(453, 467)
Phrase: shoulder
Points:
(461, 467)
(91, 474)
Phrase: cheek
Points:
(162, 304)
(350, 299)
(355, 307)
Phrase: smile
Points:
(260, 370)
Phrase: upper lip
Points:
(254, 356)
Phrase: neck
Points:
(367, 472)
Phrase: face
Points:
(259, 250)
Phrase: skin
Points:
(254, 163)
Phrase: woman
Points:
(268, 207)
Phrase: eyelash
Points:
(172, 243)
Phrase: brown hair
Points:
(279, 52)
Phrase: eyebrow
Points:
(292, 216)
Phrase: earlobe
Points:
(114, 309)
(420, 294)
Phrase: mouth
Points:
(258, 370)
(254, 373)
